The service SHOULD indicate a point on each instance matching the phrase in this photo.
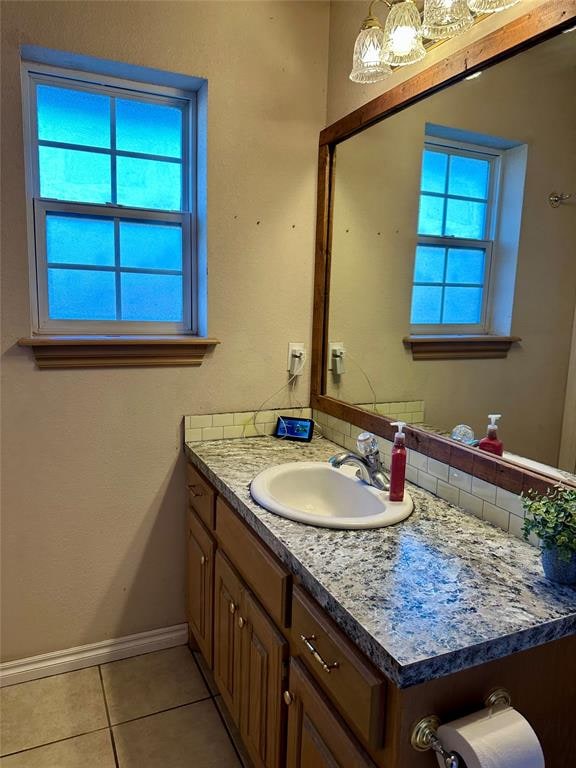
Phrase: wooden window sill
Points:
(117, 351)
(459, 347)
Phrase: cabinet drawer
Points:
(260, 569)
(201, 495)
(355, 687)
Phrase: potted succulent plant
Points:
(552, 517)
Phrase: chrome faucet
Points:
(370, 468)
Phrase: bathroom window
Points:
(456, 225)
(112, 204)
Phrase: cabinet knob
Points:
(203, 560)
(232, 607)
(241, 622)
(288, 698)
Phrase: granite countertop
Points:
(434, 594)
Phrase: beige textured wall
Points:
(93, 503)
(375, 214)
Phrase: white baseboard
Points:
(57, 662)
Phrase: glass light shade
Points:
(490, 6)
(368, 64)
(403, 36)
(446, 18)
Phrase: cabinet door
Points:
(263, 655)
(227, 598)
(316, 736)
(201, 549)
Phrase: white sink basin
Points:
(316, 493)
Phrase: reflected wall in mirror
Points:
(442, 225)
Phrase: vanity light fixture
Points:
(490, 6)
(369, 64)
(399, 42)
(445, 18)
(403, 35)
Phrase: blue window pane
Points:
(465, 265)
(79, 240)
(148, 128)
(465, 218)
(462, 305)
(468, 177)
(429, 265)
(426, 304)
(151, 246)
(149, 183)
(430, 216)
(434, 166)
(69, 174)
(151, 297)
(81, 294)
(73, 117)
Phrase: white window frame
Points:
(487, 243)
(34, 74)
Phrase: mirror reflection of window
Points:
(457, 229)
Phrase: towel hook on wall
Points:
(557, 198)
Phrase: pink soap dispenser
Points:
(491, 443)
(398, 463)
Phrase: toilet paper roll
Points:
(493, 738)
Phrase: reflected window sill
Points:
(460, 347)
(117, 351)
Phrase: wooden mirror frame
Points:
(547, 20)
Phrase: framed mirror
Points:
(446, 254)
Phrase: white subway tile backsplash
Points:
(264, 416)
(426, 481)
(484, 490)
(212, 433)
(412, 474)
(460, 479)
(496, 516)
(235, 431)
(510, 502)
(222, 419)
(192, 435)
(438, 469)
(516, 526)
(448, 492)
(471, 503)
(197, 422)
(243, 418)
(418, 460)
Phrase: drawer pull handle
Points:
(325, 666)
(194, 490)
(241, 622)
(203, 560)
(232, 607)
(288, 698)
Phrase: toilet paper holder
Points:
(425, 732)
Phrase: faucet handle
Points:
(367, 444)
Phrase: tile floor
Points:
(151, 711)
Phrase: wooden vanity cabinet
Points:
(249, 666)
(263, 658)
(227, 596)
(201, 551)
(316, 736)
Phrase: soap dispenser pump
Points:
(398, 463)
(491, 443)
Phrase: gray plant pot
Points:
(558, 570)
